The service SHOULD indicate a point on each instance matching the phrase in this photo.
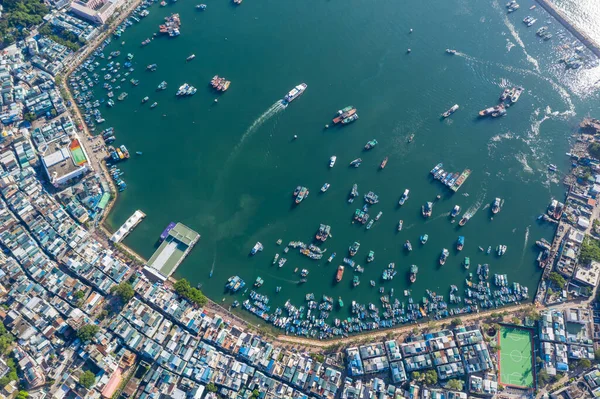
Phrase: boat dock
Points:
(128, 226)
(172, 251)
(562, 18)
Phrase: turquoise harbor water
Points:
(228, 170)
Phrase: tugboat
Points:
(413, 273)
(332, 161)
(370, 144)
(460, 243)
(424, 239)
(408, 246)
(444, 256)
(354, 248)
(383, 163)
(467, 262)
(455, 211)
(427, 209)
(404, 197)
(464, 219)
(452, 110)
(371, 256)
(496, 206)
(355, 281)
(339, 274)
(257, 247)
(400, 223)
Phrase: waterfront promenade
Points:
(575, 31)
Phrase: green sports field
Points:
(515, 357)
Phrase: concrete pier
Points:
(562, 18)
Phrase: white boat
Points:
(332, 161)
(294, 93)
(404, 197)
(325, 187)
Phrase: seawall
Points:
(562, 18)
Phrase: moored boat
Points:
(452, 110)
(256, 248)
(370, 144)
(427, 209)
(332, 161)
(408, 246)
(444, 256)
(413, 273)
(340, 273)
(404, 197)
(302, 195)
(460, 243)
(354, 248)
(496, 206)
(325, 187)
(355, 281)
(424, 239)
(400, 223)
(371, 256)
(455, 211)
(383, 163)
(467, 262)
(356, 163)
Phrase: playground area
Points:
(516, 366)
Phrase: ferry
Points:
(400, 223)
(427, 209)
(424, 239)
(354, 248)
(332, 161)
(340, 273)
(166, 231)
(294, 93)
(371, 144)
(496, 206)
(191, 57)
(460, 243)
(464, 219)
(444, 256)
(383, 163)
(404, 197)
(455, 211)
(452, 110)
(256, 248)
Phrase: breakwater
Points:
(564, 20)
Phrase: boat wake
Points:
(525, 243)
(212, 269)
(268, 114)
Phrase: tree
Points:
(456, 385)
(532, 313)
(590, 250)
(456, 322)
(79, 294)
(515, 320)
(543, 377)
(597, 355)
(594, 150)
(585, 363)
(87, 379)
(255, 393)
(22, 395)
(210, 387)
(183, 288)
(124, 291)
(87, 332)
(557, 279)
(431, 377)
(416, 376)
(30, 117)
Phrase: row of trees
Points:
(183, 288)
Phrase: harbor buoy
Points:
(408, 51)
(295, 136)
(438, 196)
(216, 100)
(326, 126)
(411, 30)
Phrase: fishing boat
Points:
(191, 57)
(331, 258)
(200, 7)
(378, 216)
(325, 187)
(552, 167)
(467, 262)
(339, 274)
(323, 232)
(408, 246)
(110, 103)
(487, 111)
(259, 282)
(371, 144)
(356, 163)
(404, 197)
(424, 239)
(354, 248)
(410, 138)
(145, 99)
(275, 258)
(151, 67)
(332, 161)
(496, 206)
(383, 163)
(501, 249)
(371, 198)
(237, 2)
(455, 211)
(371, 256)
(517, 93)
(452, 109)
(400, 223)
(302, 195)
(162, 85)
(427, 209)
(444, 256)
(294, 93)
(154, 104)
(413, 273)
(464, 219)
(122, 96)
(450, 51)
(344, 114)
(256, 248)
(349, 119)
(340, 302)
(281, 262)
(460, 243)
(370, 224)
(355, 281)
